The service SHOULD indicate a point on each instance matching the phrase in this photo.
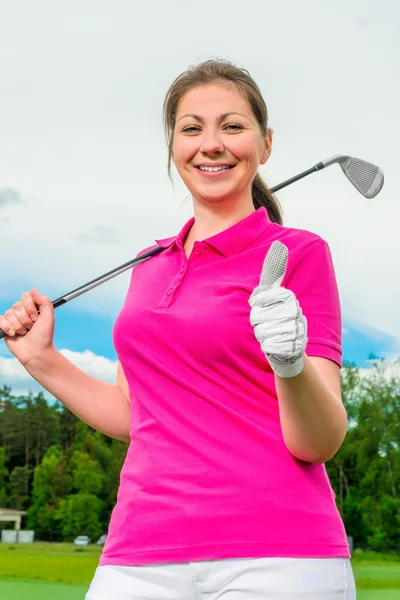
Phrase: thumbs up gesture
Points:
(278, 321)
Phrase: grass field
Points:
(378, 576)
(368, 595)
(52, 547)
(60, 567)
(38, 590)
(62, 571)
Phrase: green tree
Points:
(77, 470)
(365, 472)
(110, 455)
(46, 427)
(28, 426)
(68, 422)
(86, 474)
(80, 514)
(10, 432)
(4, 475)
(52, 481)
(19, 488)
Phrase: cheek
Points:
(183, 151)
(247, 149)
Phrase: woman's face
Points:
(218, 145)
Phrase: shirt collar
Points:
(233, 240)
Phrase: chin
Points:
(214, 199)
(215, 195)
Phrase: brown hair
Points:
(223, 70)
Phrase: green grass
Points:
(60, 567)
(377, 577)
(36, 590)
(374, 558)
(51, 547)
(376, 595)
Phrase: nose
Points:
(212, 143)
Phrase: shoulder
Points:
(147, 249)
(296, 240)
(309, 255)
(303, 246)
(142, 257)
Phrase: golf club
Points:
(367, 179)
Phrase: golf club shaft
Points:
(313, 169)
(118, 270)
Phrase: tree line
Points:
(60, 471)
(66, 475)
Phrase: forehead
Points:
(213, 98)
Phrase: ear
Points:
(267, 147)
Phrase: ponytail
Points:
(262, 196)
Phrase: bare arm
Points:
(103, 406)
(313, 418)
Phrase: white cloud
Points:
(13, 374)
(98, 235)
(81, 133)
(92, 364)
(389, 368)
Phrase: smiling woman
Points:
(213, 86)
(217, 153)
(230, 410)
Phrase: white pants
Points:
(231, 579)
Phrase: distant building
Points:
(7, 514)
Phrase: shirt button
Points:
(169, 292)
(197, 251)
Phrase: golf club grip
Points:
(3, 333)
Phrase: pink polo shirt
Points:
(207, 474)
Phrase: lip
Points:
(212, 174)
(215, 164)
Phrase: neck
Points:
(212, 218)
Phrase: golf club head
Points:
(367, 178)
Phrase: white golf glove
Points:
(278, 321)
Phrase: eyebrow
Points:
(220, 117)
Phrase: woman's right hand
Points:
(29, 334)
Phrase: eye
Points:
(233, 127)
(191, 129)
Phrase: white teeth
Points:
(221, 168)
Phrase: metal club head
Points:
(367, 178)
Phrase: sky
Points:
(83, 176)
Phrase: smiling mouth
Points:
(214, 169)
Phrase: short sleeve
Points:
(312, 278)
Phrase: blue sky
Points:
(83, 178)
(81, 330)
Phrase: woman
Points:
(230, 410)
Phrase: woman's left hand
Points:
(278, 321)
